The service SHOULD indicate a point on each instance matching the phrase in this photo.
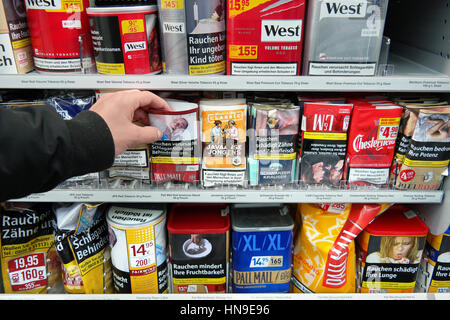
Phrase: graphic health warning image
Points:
(205, 36)
(176, 156)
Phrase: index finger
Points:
(149, 101)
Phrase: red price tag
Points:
(27, 272)
(142, 255)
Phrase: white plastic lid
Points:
(128, 216)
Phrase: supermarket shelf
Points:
(407, 76)
(230, 297)
(228, 83)
(236, 196)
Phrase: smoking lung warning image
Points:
(395, 249)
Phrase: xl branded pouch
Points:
(262, 249)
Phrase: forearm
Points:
(39, 149)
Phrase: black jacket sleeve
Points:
(38, 149)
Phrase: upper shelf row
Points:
(407, 76)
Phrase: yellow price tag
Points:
(133, 26)
(243, 52)
(236, 7)
(171, 4)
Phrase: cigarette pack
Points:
(176, 157)
(324, 142)
(223, 135)
(273, 143)
(371, 143)
(192, 36)
(343, 37)
(16, 56)
(265, 37)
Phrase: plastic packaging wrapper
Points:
(324, 143)
(176, 157)
(224, 137)
(273, 137)
(352, 51)
(371, 142)
(68, 104)
(324, 249)
(427, 156)
(29, 261)
(82, 243)
(130, 169)
(265, 38)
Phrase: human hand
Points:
(120, 109)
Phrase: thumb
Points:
(148, 134)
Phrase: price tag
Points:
(133, 26)
(388, 128)
(27, 272)
(142, 255)
(249, 52)
(239, 5)
(266, 261)
(171, 4)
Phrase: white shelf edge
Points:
(424, 83)
(236, 196)
(233, 296)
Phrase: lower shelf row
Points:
(220, 248)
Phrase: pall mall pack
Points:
(265, 37)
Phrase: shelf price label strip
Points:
(237, 83)
(243, 196)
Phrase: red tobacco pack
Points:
(324, 142)
(371, 143)
(265, 37)
(175, 157)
